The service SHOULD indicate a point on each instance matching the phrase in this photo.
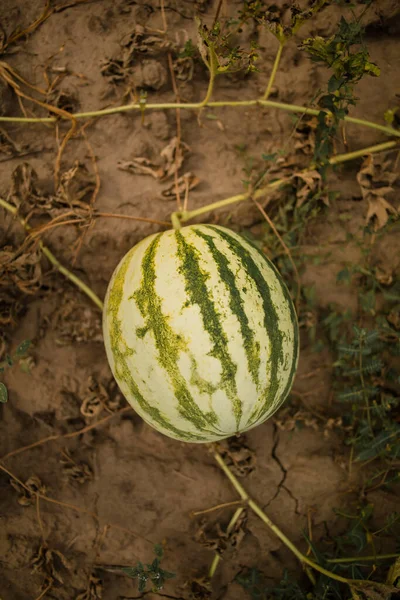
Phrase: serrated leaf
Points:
(132, 571)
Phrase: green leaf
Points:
(343, 276)
(269, 157)
(189, 50)
(382, 442)
(3, 393)
(23, 348)
(159, 550)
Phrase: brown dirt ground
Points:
(140, 487)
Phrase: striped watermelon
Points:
(200, 333)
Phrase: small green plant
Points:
(152, 573)
(348, 68)
(351, 554)
(367, 381)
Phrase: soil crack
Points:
(275, 457)
(281, 485)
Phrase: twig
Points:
(42, 594)
(52, 438)
(361, 558)
(39, 518)
(143, 219)
(54, 261)
(178, 151)
(216, 16)
(93, 196)
(286, 249)
(163, 16)
(217, 507)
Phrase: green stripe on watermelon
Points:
(236, 304)
(271, 320)
(120, 352)
(196, 288)
(168, 343)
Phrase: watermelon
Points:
(200, 333)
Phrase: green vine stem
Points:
(180, 217)
(362, 558)
(294, 108)
(339, 158)
(353, 583)
(213, 70)
(274, 70)
(54, 261)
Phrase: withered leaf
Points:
(307, 183)
(240, 459)
(75, 321)
(214, 537)
(199, 588)
(141, 166)
(49, 562)
(379, 208)
(185, 183)
(76, 471)
(373, 180)
(23, 184)
(76, 186)
(21, 270)
(26, 498)
(172, 157)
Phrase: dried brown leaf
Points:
(24, 185)
(94, 589)
(239, 458)
(26, 498)
(76, 471)
(75, 321)
(307, 183)
(172, 157)
(373, 180)
(292, 422)
(138, 44)
(22, 271)
(50, 562)
(217, 539)
(76, 187)
(185, 182)
(199, 588)
(184, 68)
(8, 146)
(98, 398)
(379, 210)
(141, 166)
